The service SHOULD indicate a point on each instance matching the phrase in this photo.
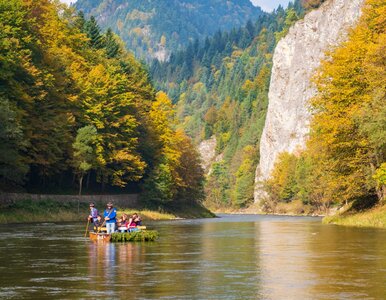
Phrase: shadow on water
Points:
(233, 257)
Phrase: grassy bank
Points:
(295, 208)
(374, 217)
(42, 211)
(29, 211)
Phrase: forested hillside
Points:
(221, 86)
(154, 28)
(345, 158)
(75, 104)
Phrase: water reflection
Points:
(309, 261)
(229, 256)
(285, 261)
(102, 263)
(350, 264)
(112, 265)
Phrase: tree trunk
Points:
(103, 183)
(88, 180)
(379, 193)
(80, 190)
(80, 184)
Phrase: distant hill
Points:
(155, 28)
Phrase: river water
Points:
(232, 257)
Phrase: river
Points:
(232, 257)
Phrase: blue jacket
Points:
(112, 214)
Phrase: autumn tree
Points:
(245, 178)
(59, 72)
(85, 156)
(177, 175)
(348, 85)
(13, 166)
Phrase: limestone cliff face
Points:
(207, 150)
(295, 60)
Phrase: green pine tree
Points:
(112, 47)
(93, 32)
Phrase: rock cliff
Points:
(295, 60)
(207, 150)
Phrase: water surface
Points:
(232, 257)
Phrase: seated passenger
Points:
(123, 223)
(134, 221)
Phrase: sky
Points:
(267, 5)
(68, 1)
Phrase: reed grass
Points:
(47, 210)
(375, 217)
(26, 211)
(148, 214)
(30, 211)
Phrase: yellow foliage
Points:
(138, 31)
(237, 53)
(199, 86)
(349, 82)
(163, 41)
(248, 85)
(120, 25)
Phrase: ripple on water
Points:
(16, 235)
(20, 292)
(8, 293)
(67, 278)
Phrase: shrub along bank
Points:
(360, 213)
(28, 211)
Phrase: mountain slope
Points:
(154, 28)
(221, 90)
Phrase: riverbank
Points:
(373, 217)
(30, 211)
(254, 209)
(357, 214)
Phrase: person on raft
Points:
(110, 215)
(123, 223)
(94, 216)
(123, 220)
(134, 221)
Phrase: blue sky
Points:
(267, 5)
(68, 1)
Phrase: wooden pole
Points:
(88, 223)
